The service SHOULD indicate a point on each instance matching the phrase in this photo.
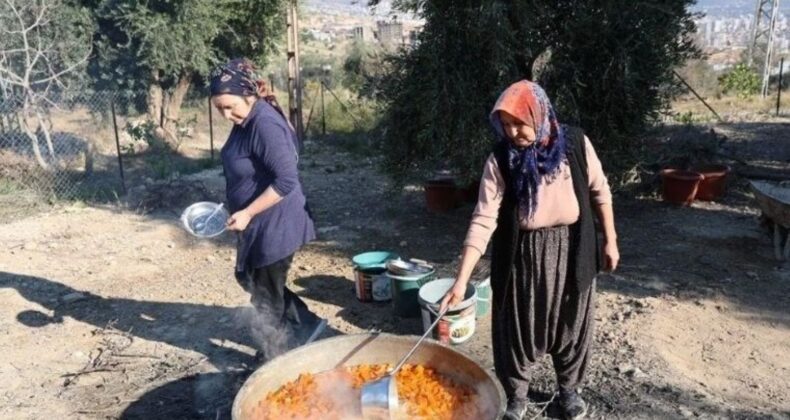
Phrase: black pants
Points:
(538, 312)
(282, 320)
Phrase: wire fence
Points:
(99, 145)
(88, 142)
(42, 147)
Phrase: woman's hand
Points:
(238, 221)
(454, 296)
(611, 255)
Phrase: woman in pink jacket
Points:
(541, 188)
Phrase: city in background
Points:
(112, 310)
(332, 33)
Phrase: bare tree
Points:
(43, 43)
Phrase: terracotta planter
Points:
(441, 195)
(469, 194)
(714, 183)
(680, 187)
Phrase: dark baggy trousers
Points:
(283, 320)
(540, 313)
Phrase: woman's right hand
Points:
(454, 296)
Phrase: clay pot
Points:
(441, 195)
(714, 183)
(470, 192)
(679, 186)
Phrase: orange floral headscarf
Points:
(528, 102)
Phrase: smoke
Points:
(271, 337)
(335, 388)
(213, 392)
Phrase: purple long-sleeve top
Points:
(260, 153)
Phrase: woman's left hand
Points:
(238, 221)
(611, 255)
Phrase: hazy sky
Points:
(713, 6)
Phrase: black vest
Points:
(584, 261)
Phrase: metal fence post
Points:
(211, 128)
(323, 110)
(779, 91)
(117, 144)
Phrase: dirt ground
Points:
(115, 312)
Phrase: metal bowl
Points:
(407, 268)
(201, 220)
(350, 350)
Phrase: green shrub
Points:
(741, 80)
(610, 70)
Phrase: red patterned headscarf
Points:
(528, 102)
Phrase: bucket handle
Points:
(474, 283)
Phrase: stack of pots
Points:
(682, 187)
(406, 278)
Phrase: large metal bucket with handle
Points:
(350, 350)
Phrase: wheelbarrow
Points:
(774, 200)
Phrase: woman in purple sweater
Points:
(268, 207)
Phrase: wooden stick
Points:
(698, 97)
(144, 356)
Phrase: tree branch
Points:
(62, 72)
(31, 62)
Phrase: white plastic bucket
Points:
(458, 324)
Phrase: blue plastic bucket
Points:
(373, 259)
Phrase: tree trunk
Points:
(154, 99)
(25, 125)
(164, 107)
(47, 132)
(172, 108)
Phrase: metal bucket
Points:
(350, 350)
(370, 282)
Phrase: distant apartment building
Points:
(363, 33)
(722, 33)
(321, 35)
(390, 34)
(412, 39)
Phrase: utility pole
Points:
(294, 72)
(762, 46)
